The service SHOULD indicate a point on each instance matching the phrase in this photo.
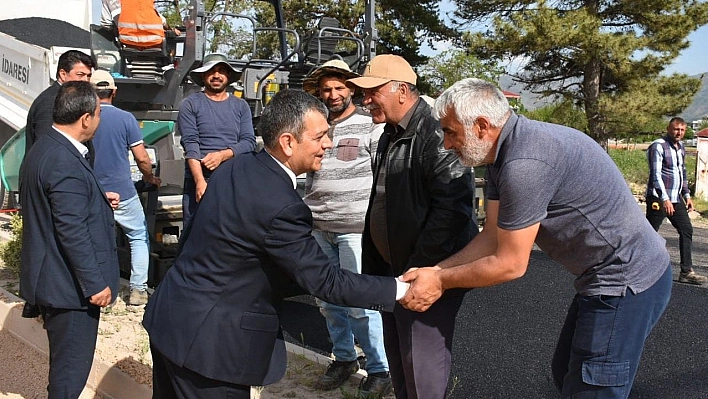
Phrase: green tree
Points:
(226, 34)
(604, 56)
(703, 124)
(403, 27)
(562, 113)
(441, 71)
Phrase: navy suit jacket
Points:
(68, 233)
(215, 312)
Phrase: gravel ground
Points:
(25, 371)
(45, 32)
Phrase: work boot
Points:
(336, 374)
(137, 297)
(375, 386)
(692, 277)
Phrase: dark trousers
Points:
(602, 340)
(189, 197)
(682, 223)
(72, 342)
(170, 381)
(419, 348)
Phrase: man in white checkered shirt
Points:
(668, 194)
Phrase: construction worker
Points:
(138, 22)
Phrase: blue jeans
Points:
(130, 217)
(602, 340)
(344, 250)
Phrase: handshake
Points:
(424, 287)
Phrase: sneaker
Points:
(138, 297)
(692, 277)
(336, 374)
(375, 386)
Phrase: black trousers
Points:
(170, 381)
(680, 221)
(72, 342)
(419, 348)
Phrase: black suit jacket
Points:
(39, 117)
(215, 312)
(68, 233)
(40, 120)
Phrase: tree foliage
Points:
(449, 66)
(562, 113)
(605, 56)
(403, 26)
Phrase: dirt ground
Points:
(123, 342)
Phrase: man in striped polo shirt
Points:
(338, 195)
(668, 195)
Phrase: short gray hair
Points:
(395, 85)
(471, 98)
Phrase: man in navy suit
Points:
(213, 321)
(69, 265)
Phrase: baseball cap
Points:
(383, 69)
(102, 80)
(312, 82)
(209, 62)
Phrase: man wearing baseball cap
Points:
(117, 133)
(338, 195)
(420, 212)
(215, 126)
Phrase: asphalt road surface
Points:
(505, 335)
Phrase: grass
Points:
(634, 167)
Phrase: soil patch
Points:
(123, 343)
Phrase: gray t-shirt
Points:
(590, 222)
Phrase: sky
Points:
(692, 61)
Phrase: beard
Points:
(475, 151)
(340, 108)
(215, 86)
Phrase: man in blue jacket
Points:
(213, 321)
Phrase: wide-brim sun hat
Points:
(210, 61)
(383, 69)
(312, 82)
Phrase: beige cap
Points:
(383, 69)
(102, 80)
(311, 84)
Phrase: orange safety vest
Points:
(139, 24)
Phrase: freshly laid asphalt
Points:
(505, 335)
